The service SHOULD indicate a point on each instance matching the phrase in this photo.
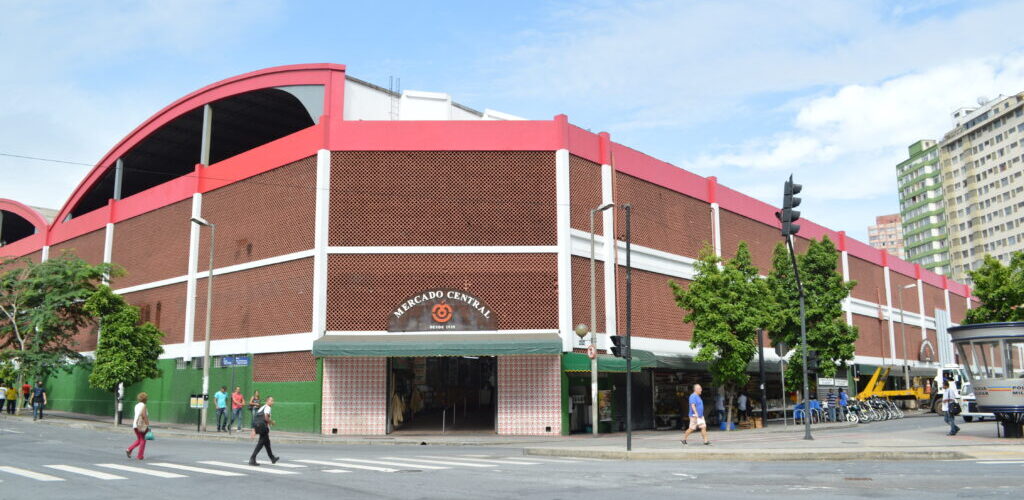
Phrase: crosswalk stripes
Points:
(348, 466)
(486, 460)
(442, 462)
(142, 470)
(201, 470)
(106, 476)
(549, 460)
(38, 476)
(336, 471)
(396, 464)
(268, 470)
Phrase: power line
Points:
(46, 159)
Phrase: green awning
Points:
(578, 362)
(436, 345)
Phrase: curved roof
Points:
(26, 212)
(298, 74)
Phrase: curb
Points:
(747, 456)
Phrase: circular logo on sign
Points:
(441, 313)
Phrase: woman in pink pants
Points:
(140, 424)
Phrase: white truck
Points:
(957, 376)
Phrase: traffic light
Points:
(812, 361)
(790, 201)
(619, 348)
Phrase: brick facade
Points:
(153, 246)
(297, 366)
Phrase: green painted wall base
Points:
(296, 404)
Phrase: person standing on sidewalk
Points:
(237, 403)
(949, 396)
(742, 403)
(140, 426)
(696, 414)
(26, 389)
(843, 401)
(831, 399)
(254, 406)
(12, 399)
(38, 401)
(720, 404)
(261, 426)
(220, 399)
(3, 395)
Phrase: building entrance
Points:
(442, 394)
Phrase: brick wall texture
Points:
(284, 367)
(442, 198)
(153, 246)
(88, 247)
(584, 194)
(662, 219)
(363, 290)
(581, 292)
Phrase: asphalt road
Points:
(46, 461)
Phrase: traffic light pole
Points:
(629, 338)
(803, 339)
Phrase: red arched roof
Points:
(26, 212)
(298, 74)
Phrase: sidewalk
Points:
(918, 437)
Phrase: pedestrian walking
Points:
(38, 400)
(696, 413)
(3, 395)
(237, 403)
(949, 397)
(261, 427)
(26, 389)
(12, 399)
(742, 403)
(140, 426)
(254, 406)
(220, 399)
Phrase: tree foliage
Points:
(1001, 290)
(824, 293)
(128, 351)
(41, 310)
(726, 303)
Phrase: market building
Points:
(386, 262)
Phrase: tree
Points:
(727, 304)
(1001, 290)
(128, 350)
(824, 291)
(41, 311)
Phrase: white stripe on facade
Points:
(920, 307)
(845, 256)
(608, 231)
(304, 254)
(445, 249)
(321, 232)
(289, 342)
(888, 308)
(45, 254)
(108, 248)
(564, 243)
(193, 266)
(716, 229)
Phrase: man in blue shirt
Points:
(843, 400)
(221, 399)
(696, 414)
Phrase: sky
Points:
(832, 92)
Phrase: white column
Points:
(945, 297)
(920, 307)
(845, 256)
(610, 262)
(108, 248)
(193, 269)
(564, 248)
(888, 307)
(716, 229)
(45, 256)
(968, 299)
(320, 240)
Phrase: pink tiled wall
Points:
(355, 396)
(529, 395)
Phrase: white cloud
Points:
(77, 78)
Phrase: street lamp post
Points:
(209, 314)
(593, 316)
(903, 333)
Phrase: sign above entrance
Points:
(442, 310)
